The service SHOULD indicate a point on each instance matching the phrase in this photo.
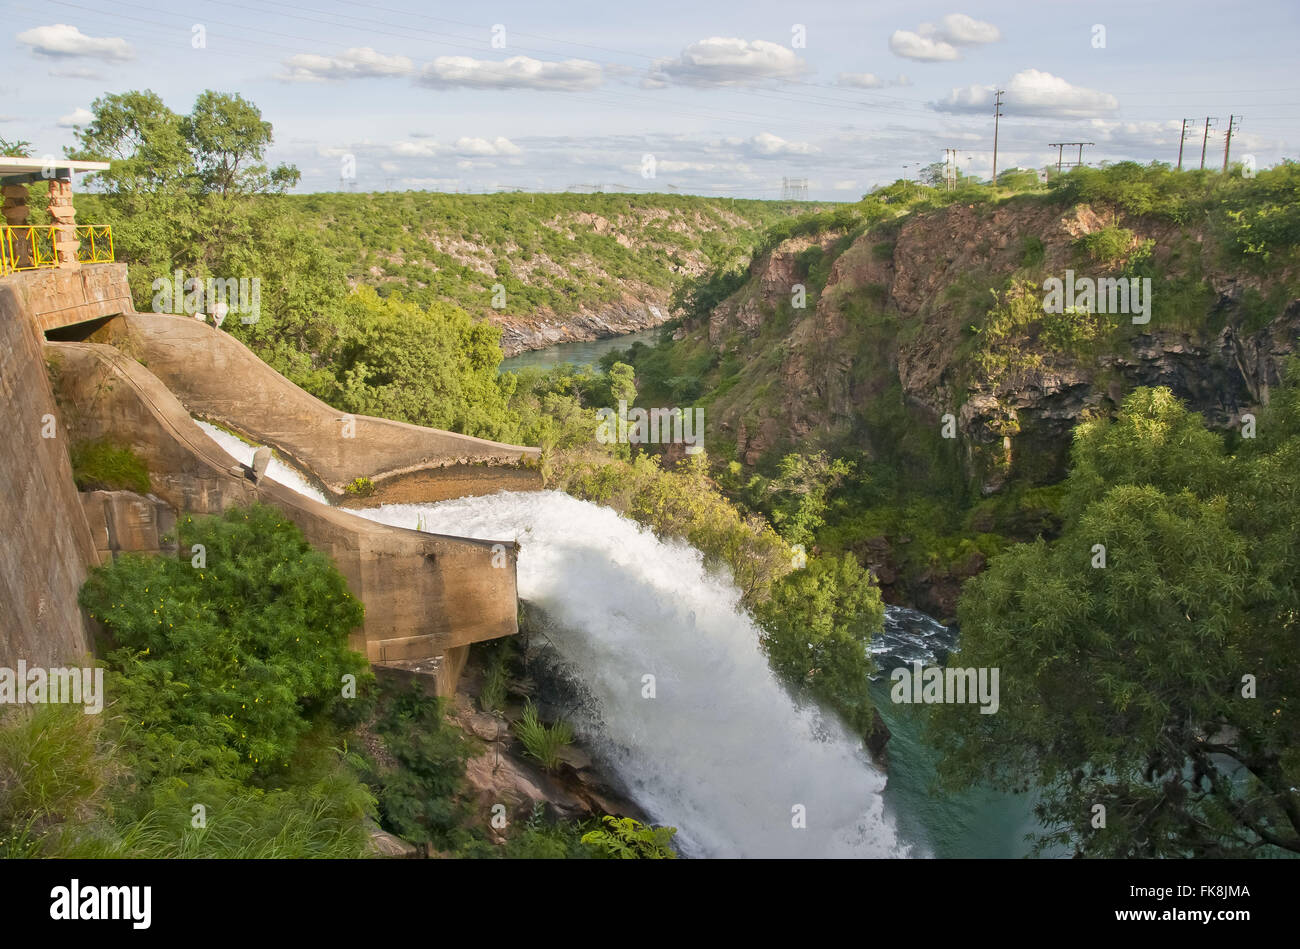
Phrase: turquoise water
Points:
(579, 354)
(980, 822)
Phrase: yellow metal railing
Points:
(32, 247)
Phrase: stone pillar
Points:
(65, 223)
(15, 214)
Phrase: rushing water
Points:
(721, 752)
(587, 352)
(277, 470)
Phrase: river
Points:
(583, 353)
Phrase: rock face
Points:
(898, 307)
(616, 319)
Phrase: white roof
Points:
(34, 166)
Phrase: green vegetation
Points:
(1156, 685)
(623, 838)
(544, 742)
(102, 465)
(817, 626)
(362, 488)
(227, 686)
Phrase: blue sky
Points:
(728, 97)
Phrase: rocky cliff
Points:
(907, 305)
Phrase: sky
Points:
(720, 98)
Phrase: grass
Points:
(545, 743)
(102, 465)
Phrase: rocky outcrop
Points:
(540, 330)
(898, 309)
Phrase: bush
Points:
(225, 665)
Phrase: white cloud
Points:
(866, 80)
(63, 40)
(933, 43)
(517, 72)
(78, 116)
(847, 184)
(767, 144)
(360, 62)
(465, 147)
(1032, 92)
(961, 30)
(723, 61)
(923, 49)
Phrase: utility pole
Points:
(1227, 142)
(1206, 138)
(950, 169)
(1181, 140)
(1060, 149)
(997, 114)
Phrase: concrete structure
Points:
(15, 175)
(217, 378)
(47, 545)
(426, 596)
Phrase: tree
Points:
(142, 138)
(817, 626)
(801, 490)
(227, 137)
(216, 149)
(15, 149)
(1147, 655)
(430, 366)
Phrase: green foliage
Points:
(102, 465)
(1108, 245)
(1032, 251)
(361, 487)
(1123, 684)
(216, 149)
(801, 490)
(496, 674)
(544, 742)
(52, 774)
(431, 366)
(680, 503)
(422, 799)
(817, 627)
(623, 838)
(17, 148)
(226, 688)
(225, 666)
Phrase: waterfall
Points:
(721, 751)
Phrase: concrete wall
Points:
(59, 297)
(218, 378)
(47, 544)
(425, 594)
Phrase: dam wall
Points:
(47, 543)
(219, 379)
(425, 595)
